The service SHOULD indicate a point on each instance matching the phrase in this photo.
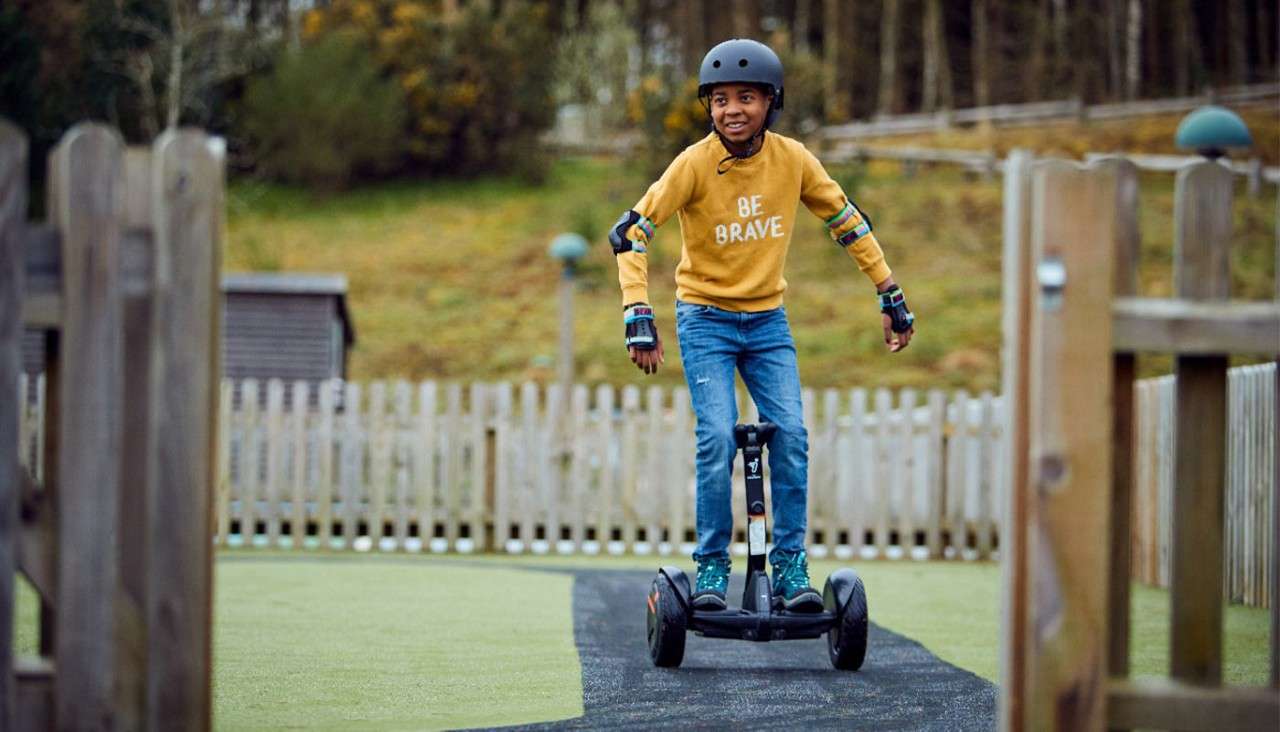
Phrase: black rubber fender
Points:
(846, 598)
(679, 582)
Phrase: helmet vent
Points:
(716, 63)
(742, 62)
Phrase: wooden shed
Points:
(285, 326)
(275, 326)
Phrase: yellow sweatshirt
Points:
(737, 226)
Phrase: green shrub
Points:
(324, 115)
(477, 80)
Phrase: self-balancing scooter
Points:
(671, 614)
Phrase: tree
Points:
(936, 87)
(981, 47)
(889, 57)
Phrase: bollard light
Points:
(568, 248)
(1210, 130)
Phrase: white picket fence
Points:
(443, 467)
(1251, 455)
(489, 467)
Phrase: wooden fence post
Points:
(1068, 503)
(1016, 323)
(137, 265)
(88, 207)
(1202, 234)
(13, 213)
(1123, 372)
(186, 368)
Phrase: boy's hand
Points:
(644, 345)
(647, 361)
(896, 317)
(896, 341)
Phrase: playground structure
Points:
(1072, 330)
(116, 537)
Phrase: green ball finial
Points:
(1209, 130)
(568, 248)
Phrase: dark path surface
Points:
(730, 684)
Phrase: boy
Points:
(736, 193)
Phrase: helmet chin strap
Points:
(734, 157)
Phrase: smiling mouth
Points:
(735, 127)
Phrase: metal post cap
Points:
(568, 247)
(1211, 129)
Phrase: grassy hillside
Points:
(451, 280)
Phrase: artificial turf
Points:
(348, 641)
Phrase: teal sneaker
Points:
(713, 581)
(790, 580)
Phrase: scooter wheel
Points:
(666, 623)
(845, 596)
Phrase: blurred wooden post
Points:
(188, 178)
(13, 214)
(87, 206)
(1126, 248)
(1202, 235)
(1070, 446)
(1275, 495)
(1016, 362)
(137, 265)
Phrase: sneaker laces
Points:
(791, 571)
(713, 573)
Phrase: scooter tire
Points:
(847, 639)
(667, 624)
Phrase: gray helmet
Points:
(744, 61)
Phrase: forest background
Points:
(411, 144)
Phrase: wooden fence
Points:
(495, 467)
(1033, 113)
(414, 456)
(1250, 482)
(1073, 327)
(106, 480)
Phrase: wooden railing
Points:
(1033, 113)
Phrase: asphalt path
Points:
(725, 684)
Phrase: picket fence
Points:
(494, 467)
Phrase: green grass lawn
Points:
(369, 642)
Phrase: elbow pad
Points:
(862, 228)
(618, 234)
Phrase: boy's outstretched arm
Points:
(851, 230)
(630, 238)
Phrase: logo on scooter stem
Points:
(754, 466)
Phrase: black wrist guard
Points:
(894, 304)
(640, 330)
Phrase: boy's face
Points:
(739, 110)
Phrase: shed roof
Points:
(295, 283)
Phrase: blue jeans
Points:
(713, 342)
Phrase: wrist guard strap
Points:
(640, 331)
(894, 304)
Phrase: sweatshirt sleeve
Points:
(847, 224)
(663, 199)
